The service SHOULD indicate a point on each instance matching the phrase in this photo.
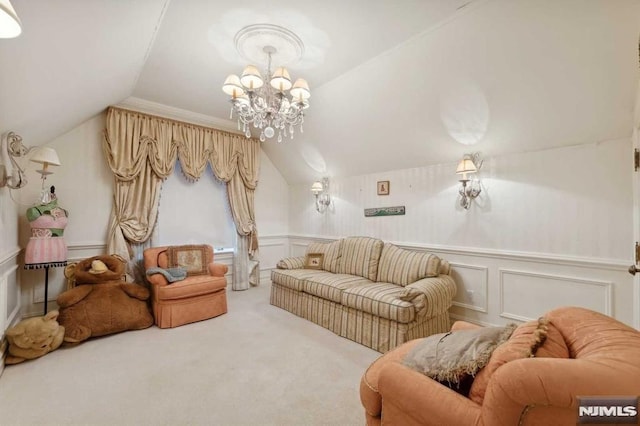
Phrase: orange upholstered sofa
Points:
(201, 295)
(585, 354)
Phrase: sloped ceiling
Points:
(395, 84)
(73, 59)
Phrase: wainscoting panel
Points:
(9, 297)
(535, 289)
(272, 249)
(298, 249)
(473, 283)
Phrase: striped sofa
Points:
(366, 290)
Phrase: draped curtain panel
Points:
(141, 151)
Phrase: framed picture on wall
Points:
(383, 187)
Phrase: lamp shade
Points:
(300, 91)
(316, 188)
(281, 80)
(232, 86)
(466, 166)
(251, 78)
(46, 156)
(10, 26)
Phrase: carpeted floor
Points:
(255, 365)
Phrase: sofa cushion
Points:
(332, 252)
(294, 278)
(360, 256)
(331, 286)
(385, 300)
(402, 267)
(291, 263)
(523, 343)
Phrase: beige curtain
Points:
(142, 149)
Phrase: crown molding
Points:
(178, 114)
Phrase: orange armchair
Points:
(196, 298)
(602, 358)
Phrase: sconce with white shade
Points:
(10, 25)
(12, 147)
(47, 157)
(320, 190)
(470, 189)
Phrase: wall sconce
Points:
(320, 190)
(11, 143)
(470, 189)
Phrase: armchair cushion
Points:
(194, 258)
(189, 288)
(450, 357)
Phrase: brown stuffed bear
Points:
(102, 302)
(34, 337)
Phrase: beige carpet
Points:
(256, 365)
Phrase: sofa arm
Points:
(291, 263)
(218, 269)
(411, 398)
(554, 383)
(439, 292)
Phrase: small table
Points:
(46, 267)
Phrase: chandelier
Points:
(275, 105)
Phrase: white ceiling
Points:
(395, 83)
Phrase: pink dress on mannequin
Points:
(46, 247)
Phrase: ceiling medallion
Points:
(251, 40)
(278, 105)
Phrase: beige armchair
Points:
(201, 295)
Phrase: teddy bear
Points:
(101, 302)
(34, 337)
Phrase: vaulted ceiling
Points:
(395, 83)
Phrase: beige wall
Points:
(574, 201)
(550, 228)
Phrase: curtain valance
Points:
(132, 138)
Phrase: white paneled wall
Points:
(9, 283)
(550, 228)
(9, 297)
